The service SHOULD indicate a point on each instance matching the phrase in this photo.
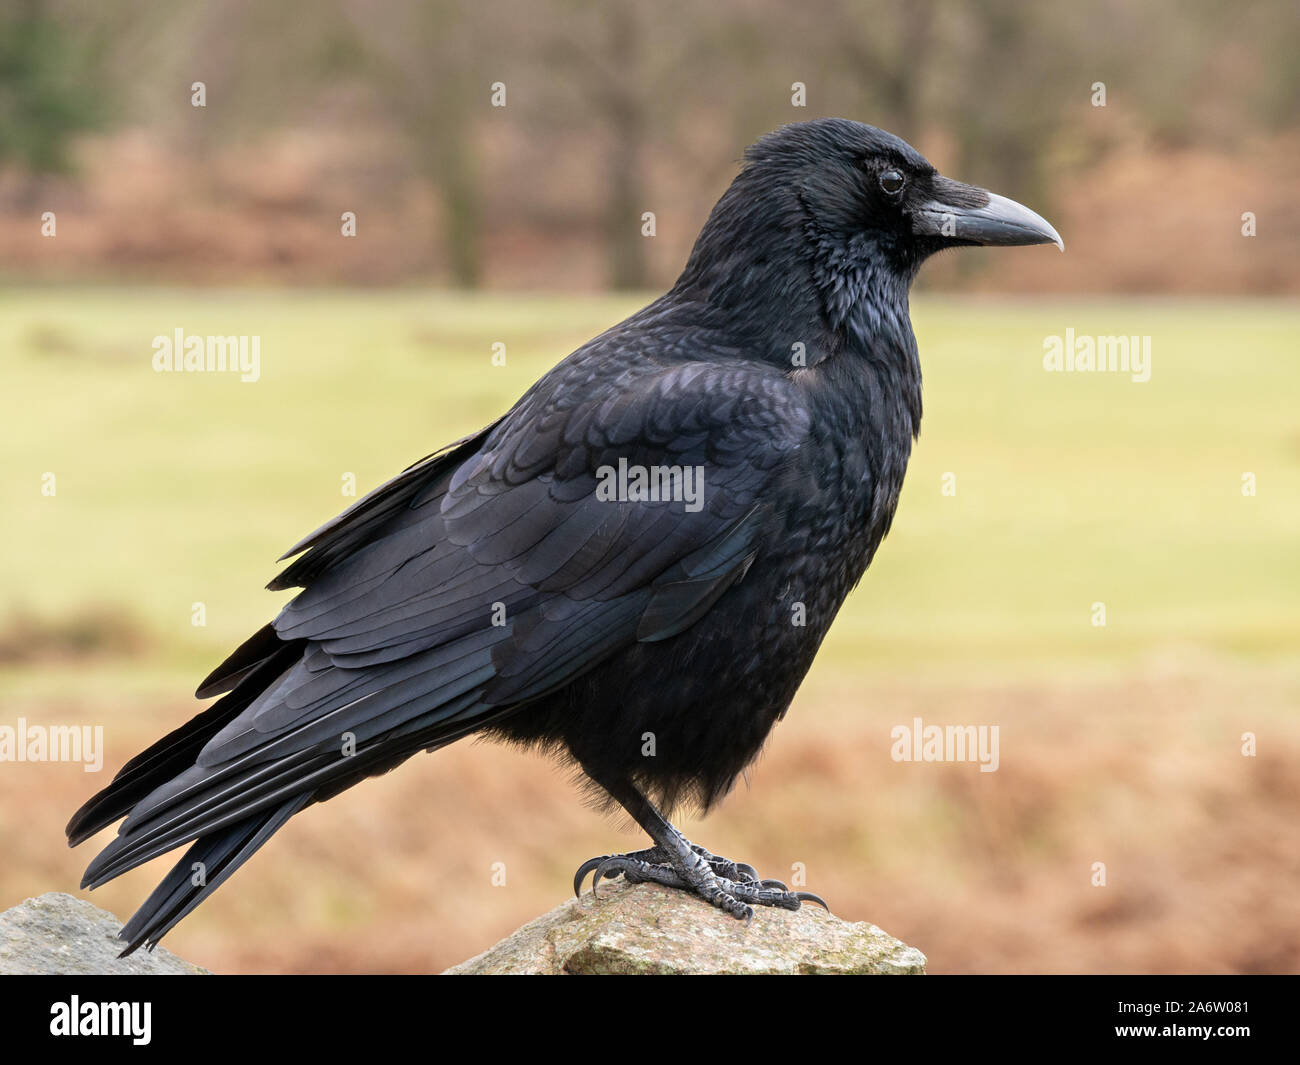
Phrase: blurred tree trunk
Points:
(627, 121)
(904, 81)
(447, 159)
(423, 64)
(463, 215)
(891, 50)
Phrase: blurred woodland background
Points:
(1159, 138)
(1176, 116)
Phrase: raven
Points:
(632, 569)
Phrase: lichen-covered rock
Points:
(645, 928)
(57, 933)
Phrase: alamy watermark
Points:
(628, 483)
(1082, 353)
(122, 1019)
(53, 743)
(179, 353)
(918, 742)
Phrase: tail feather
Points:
(279, 785)
(339, 538)
(174, 753)
(241, 662)
(203, 869)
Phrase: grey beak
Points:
(997, 221)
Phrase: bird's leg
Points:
(725, 867)
(676, 862)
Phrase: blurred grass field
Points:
(1119, 743)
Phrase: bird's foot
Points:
(723, 867)
(734, 887)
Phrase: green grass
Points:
(177, 488)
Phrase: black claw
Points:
(601, 873)
(778, 884)
(748, 870)
(808, 896)
(585, 868)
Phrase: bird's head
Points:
(859, 183)
(835, 205)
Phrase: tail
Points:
(228, 779)
(213, 857)
(203, 869)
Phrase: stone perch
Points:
(630, 929)
(57, 933)
(649, 929)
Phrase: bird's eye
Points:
(892, 181)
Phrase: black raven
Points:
(632, 569)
